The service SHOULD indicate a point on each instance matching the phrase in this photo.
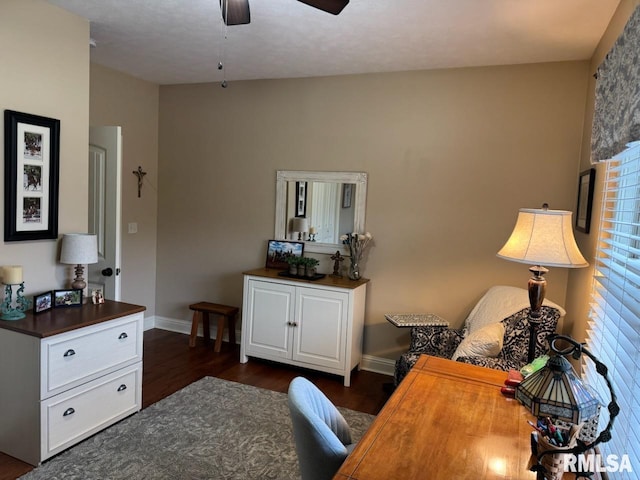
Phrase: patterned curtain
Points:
(616, 120)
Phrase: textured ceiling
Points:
(182, 41)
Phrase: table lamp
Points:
(556, 391)
(12, 275)
(541, 237)
(79, 249)
(299, 224)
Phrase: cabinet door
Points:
(269, 318)
(321, 317)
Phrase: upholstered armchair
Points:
(494, 335)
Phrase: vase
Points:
(354, 270)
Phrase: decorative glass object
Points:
(357, 243)
(354, 269)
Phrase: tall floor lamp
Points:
(541, 237)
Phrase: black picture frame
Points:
(301, 199)
(42, 302)
(586, 185)
(31, 176)
(347, 193)
(279, 250)
(71, 297)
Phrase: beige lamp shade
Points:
(79, 249)
(543, 237)
(299, 224)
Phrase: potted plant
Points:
(302, 266)
(293, 262)
(311, 264)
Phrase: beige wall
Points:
(451, 155)
(580, 281)
(45, 71)
(121, 100)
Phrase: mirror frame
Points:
(283, 177)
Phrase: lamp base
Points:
(78, 282)
(537, 287)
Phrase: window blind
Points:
(613, 334)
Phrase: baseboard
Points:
(381, 365)
(369, 363)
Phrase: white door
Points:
(105, 165)
(321, 331)
(269, 320)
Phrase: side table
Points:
(404, 320)
(415, 319)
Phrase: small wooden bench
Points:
(202, 310)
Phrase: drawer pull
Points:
(68, 411)
(69, 353)
(122, 336)
(122, 387)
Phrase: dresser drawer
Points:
(80, 356)
(76, 414)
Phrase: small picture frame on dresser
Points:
(67, 298)
(42, 302)
(97, 296)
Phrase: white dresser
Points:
(66, 374)
(312, 324)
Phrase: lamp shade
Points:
(79, 248)
(543, 237)
(299, 224)
(556, 391)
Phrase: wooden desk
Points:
(445, 420)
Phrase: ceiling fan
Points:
(236, 12)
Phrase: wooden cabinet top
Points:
(60, 320)
(327, 281)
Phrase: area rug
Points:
(211, 429)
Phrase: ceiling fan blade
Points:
(330, 6)
(235, 12)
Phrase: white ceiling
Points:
(182, 41)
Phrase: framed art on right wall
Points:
(585, 200)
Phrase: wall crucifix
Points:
(140, 174)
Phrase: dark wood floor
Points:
(169, 365)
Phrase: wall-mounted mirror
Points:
(318, 207)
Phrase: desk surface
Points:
(445, 420)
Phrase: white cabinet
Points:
(69, 373)
(308, 324)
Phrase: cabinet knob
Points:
(122, 388)
(292, 324)
(68, 411)
(69, 353)
(122, 336)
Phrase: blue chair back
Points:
(322, 435)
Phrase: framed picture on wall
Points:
(347, 193)
(301, 199)
(31, 168)
(586, 185)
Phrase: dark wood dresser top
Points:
(60, 320)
